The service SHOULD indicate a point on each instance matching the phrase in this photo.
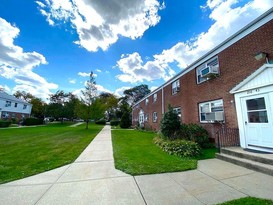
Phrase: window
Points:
(13, 115)
(178, 111)
(155, 97)
(175, 87)
(8, 103)
(256, 110)
(147, 117)
(147, 101)
(141, 117)
(15, 105)
(212, 62)
(154, 116)
(5, 115)
(211, 109)
(25, 107)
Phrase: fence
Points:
(227, 137)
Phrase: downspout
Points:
(162, 100)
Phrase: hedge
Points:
(114, 122)
(181, 148)
(33, 121)
(5, 123)
(100, 122)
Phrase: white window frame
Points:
(178, 111)
(212, 62)
(175, 87)
(5, 115)
(146, 117)
(8, 103)
(154, 116)
(146, 101)
(207, 107)
(141, 117)
(155, 97)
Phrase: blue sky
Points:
(50, 45)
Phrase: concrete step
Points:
(257, 157)
(250, 164)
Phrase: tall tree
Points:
(89, 96)
(56, 108)
(136, 93)
(110, 102)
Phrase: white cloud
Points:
(72, 81)
(228, 18)
(100, 23)
(83, 74)
(5, 88)
(119, 91)
(98, 70)
(18, 65)
(134, 70)
(153, 88)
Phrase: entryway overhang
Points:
(254, 108)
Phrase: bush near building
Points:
(33, 121)
(4, 123)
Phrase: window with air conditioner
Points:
(212, 111)
(178, 111)
(208, 69)
(154, 116)
(175, 87)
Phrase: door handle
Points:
(245, 122)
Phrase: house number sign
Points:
(253, 91)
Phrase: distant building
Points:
(230, 88)
(12, 107)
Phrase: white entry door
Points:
(258, 121)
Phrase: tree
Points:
(170, 124)
(23, 95)
(136, 93)
(89, 96)
(56, 107)
(110, 103)
(125, 112)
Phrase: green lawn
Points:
(31, 150)
(136, 154)
(249, 201)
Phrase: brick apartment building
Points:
(229, 87)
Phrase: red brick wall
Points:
(235, 64)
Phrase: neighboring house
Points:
(12, 107)
(229, 87)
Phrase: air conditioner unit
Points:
(176, 89)
(215, 116)
(209, 71)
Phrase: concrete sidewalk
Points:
(93, 179)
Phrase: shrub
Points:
(181, 148)
(170, 124)
(4, 123)
(100, 122)
(33, 121)
(183, 132)
(198, 134)
(125, 121)
(114, 122)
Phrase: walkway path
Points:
(92, 179)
